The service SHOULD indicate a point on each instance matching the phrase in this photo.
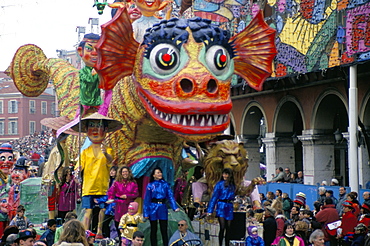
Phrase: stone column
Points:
(318, 156)
(270, 144)
(253, 150)
(279, 153)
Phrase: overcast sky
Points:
(49, 24)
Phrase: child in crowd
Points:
(129, 223)
(253, 239)
(49, 234)
(21, 221)
(69, 216)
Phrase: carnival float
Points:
(165, 81)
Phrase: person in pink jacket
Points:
(289, 237)
(123, 191)
(68, 193)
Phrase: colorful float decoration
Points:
(18, 174)
(172, 87)
(6, 163)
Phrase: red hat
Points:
(300, 199)
(348, 204)
(89, 234)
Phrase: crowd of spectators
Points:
(35, 147)
(286, 221)
(286, 176)
(339, 221)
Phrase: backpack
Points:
(290, 202)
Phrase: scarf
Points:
(289, 240)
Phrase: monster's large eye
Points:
(164, 58)
(218, 59)
(3, 158)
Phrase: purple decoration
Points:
(289, 56)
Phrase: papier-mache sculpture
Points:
(172, 87)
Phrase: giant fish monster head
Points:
(182, 70)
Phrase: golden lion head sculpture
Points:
(225, 154)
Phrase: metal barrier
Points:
(311, 191)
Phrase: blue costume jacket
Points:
(258, 241)
(109, 208)
(158, 189)
(48, 235)
(223, 197)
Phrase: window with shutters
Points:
(32, 127)
(52, 108)
(32, 106)
(13, 127)
(44, 108)
(2, 126)
(12, 107)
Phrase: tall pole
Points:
(353, 115)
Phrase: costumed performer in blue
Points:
(157, 193)
(223, 195)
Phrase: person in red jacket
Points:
(349, 220)
(325, 216)
(280, 221)
(352, 197)
(365, 215)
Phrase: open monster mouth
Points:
(191, 122)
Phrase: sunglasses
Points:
(180, 224)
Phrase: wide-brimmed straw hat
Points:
(112, 125)
(58, 122)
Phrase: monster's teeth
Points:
(225, 118)
(197, 117)
(174, 120)
(161, 115)
(209, 121)
(184, 121)
(202, 121)
(219, 121)
(156, 111)
(168, 117)
(192, 122)
(178, 117)
(215, 118)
